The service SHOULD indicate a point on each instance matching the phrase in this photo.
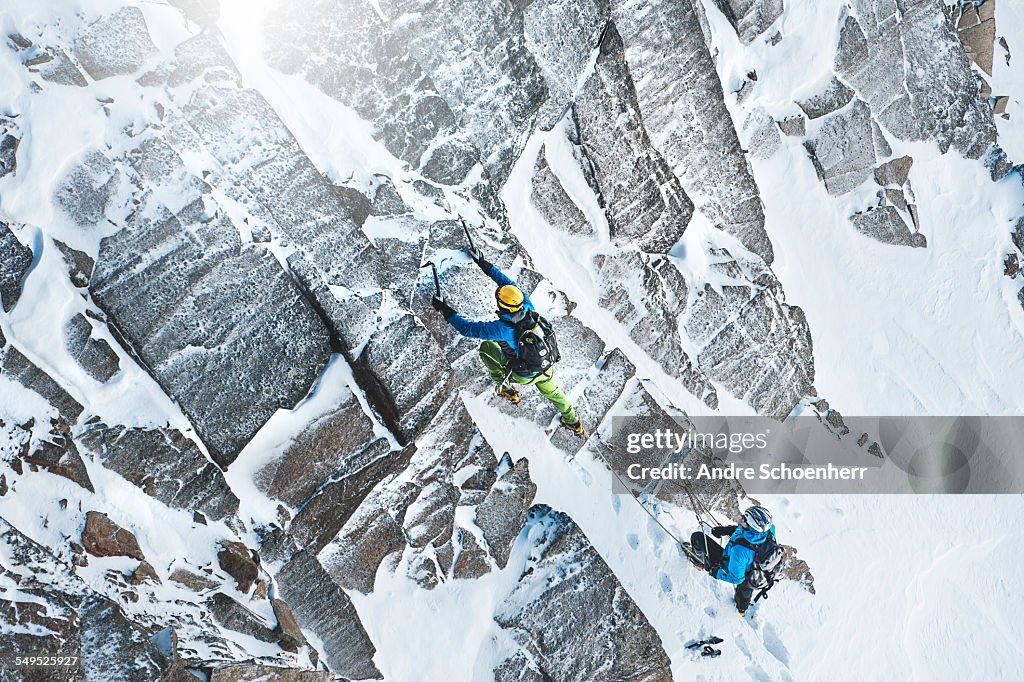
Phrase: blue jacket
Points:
(736, 559)
(495, 330)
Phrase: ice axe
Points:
(437, 281)
(472, 247)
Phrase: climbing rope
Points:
(694, 501)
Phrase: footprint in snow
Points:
(666, 583)
(633, 540)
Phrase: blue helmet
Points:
(758, 519)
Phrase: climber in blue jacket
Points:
(500, 351)
(733, 564)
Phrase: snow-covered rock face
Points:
(239, 439)
(573, 580)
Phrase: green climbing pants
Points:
(494, 362)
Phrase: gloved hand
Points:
(712, 569)
(722, 531)
(440, 306)
(478, 258)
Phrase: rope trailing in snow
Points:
(601, 454)
(698, 506)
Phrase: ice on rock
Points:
(552, 202)
(827, 95)
(351, 54)
(95, 356)
(843, 152)
(762, 134)
(88, 188)
(644, 201)
(116, 45)
(405, 375)
(502, 513)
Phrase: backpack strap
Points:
(743, 542)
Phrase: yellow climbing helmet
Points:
(509, 298)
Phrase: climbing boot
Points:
(509, 393)
(576, 427)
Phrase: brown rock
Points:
(261, 590)
(238, 561)
(196, 583)
(144, 573)
(289, 631)
(80, 264)
(894, 172)
(102, 537)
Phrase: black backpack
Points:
(767, 560)
(538, 348)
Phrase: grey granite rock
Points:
(87, 189)
(55, 66)
(16, 259)
(471, 562)
(644, 202)
(222, 327)
(750, 18)
(843, 152)
(267, 673)
(331, 445)
(258, 152)
(80, 264)
(405, 375)
(484, 71)
(353, 55)
(166, 465)
(683, 108)
(8, 150)
(320, 520)
(905, 60)
(502, 513)
(322, 608)
(116, 45)
(597, 399)
(549, 596)
(366, 539)
(885, 224)
(26, 373)
(828, 94)
(753, 344)
(894, 172)
(551, 201)
(793, 126)
(762, 135)
(652, 320)
(95, 356)
(57, 453)
(234, 616)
